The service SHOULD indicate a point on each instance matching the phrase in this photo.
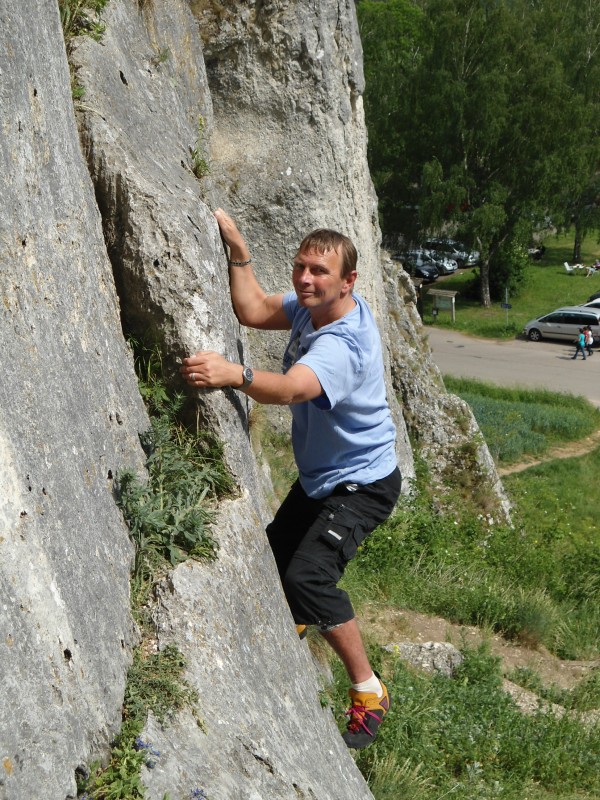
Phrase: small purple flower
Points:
(140, 744)
(198, 794)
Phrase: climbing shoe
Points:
(366, 715)
(301, 630)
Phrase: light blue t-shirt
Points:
(347, 434)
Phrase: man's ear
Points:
(350, 280)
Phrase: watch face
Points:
(248, 375)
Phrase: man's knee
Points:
(313, 595)
(302, 580)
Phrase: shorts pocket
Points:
(339, 531)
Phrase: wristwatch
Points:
(248, 377)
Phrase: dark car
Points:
(428, 272)
(417, 267)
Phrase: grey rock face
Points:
(70, 413)
(257, 684)
(442, 424)
(267, 735)
(146, 100)
(279, 121)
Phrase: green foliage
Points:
(168, 512)
(508, 269)
(585, 696)
(120, 779)
(200, 165)
(536, 583)
(162, 56)
(167, 515)
(481, 120)
(519, 422)
(464, 737)
(557, 502)
(391, 34)
(155, 683)
(80, 18)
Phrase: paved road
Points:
(516, 362)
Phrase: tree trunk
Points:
(577, 243)
(484, 272)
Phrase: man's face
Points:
(318, 281)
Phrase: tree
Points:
(392, 34)
(505, 144)
(488, 131)
(575, 26)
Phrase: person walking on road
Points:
(343, 437)
(589, 340)
(580, 344)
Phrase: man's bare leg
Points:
(369, 704)
(347, 642)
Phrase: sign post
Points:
(443, 298)
(506, 305)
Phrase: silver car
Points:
(457, 251)
(564, 323)
(445, 266)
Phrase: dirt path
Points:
(569, 450)
(391, 625)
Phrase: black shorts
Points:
(313, 540)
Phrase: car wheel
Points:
(534, 335)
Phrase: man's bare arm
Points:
(207, 369)
(253, 307)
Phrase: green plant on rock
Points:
(80, 18)
(168, 514)
(155, 683)
(200, 165)
(163, 55)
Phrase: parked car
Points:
(592, 303)
(451, 248)
(593, 297)
(564, 323)
(445, 266)
(418, 267)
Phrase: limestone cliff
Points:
(268, 96)
(70, 413)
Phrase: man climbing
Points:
(342, 434)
